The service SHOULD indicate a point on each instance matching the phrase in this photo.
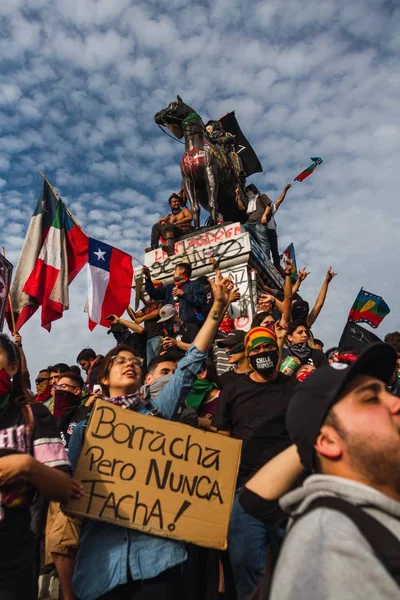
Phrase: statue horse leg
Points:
(189, 188)
(211, 177)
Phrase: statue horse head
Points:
(173, 116)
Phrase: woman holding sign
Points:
(30, 446)
(114, 562)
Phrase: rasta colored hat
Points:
(259, 335)
(312, 400)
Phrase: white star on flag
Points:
(100, 254)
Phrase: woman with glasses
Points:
(118, 563)
(30, 448)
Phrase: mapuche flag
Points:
(110, 275)
(317, 160)
(54, 251)
(249, 158)
(368, 308)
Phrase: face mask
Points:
(265, 362)
(151, 390)
(180, 279)
(5, 382)
(64, 400)
(302, 351)
(121, 336)
(41, 387)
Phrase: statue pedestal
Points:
(239, 257)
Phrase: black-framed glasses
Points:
(123, 360)
(64, 386)
(41, 379)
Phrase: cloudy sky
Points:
(81, 80)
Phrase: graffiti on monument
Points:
(241, 311)
(198, 257)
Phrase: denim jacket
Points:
(109, 553)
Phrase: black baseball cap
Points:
(117, 328)
(313, 398)
(233, 339)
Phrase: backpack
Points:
(385, 545)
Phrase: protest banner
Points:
(158, 476)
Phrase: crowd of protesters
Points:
(316, 512)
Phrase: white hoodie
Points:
(325, 557)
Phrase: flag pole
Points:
(58, 198)
(3, 252)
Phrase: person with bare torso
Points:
(173, 226)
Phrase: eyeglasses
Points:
(41, 379)
(64, 386)
(122, 360)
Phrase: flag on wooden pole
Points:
(54, 251)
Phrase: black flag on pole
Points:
(5, 281)
(357, 337)
(249, 158)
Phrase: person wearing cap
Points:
(237, 358)
(173, 226)
(188, 296)
(130, 333)
(253, 409)
(346, 426)
(178, 335)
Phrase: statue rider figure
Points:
(226, 142)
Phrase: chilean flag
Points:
(110, 275)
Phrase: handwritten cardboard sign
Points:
(157, 476)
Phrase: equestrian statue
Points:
(211, 174)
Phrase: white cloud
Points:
(82, 80)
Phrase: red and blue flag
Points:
(110, 275)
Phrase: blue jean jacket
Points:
(108, 553)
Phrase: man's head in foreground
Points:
(345, 423)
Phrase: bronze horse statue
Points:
(208, 180)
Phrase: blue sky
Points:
(81, 80)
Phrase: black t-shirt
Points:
(229, 377)
(69, 420)
(255, 413)
(152, 328)
(30, 431)
(138, 344)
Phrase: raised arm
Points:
(301, 276)
(278, 476)
(26, 381)
(312, 317)
(129, 324)
(154, 293)
(288, 291)
(282, 196)
(221, 297)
